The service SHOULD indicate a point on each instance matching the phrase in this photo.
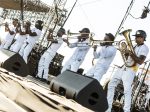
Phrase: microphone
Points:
(145, 12)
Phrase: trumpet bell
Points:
(125, 32)
(123, 45)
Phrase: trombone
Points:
(71, 35)
(102, 42)
(91, 42)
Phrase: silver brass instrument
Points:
(92, 42)
(122, 44)
(101, 42)
(70, 33)
(127, 45)
(75, 35)
(3, 24)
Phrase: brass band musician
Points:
(46, 58)
(127, 74)
(12, 30)
(34, 35)
(105, 56)
(21, 37)
(79, 54)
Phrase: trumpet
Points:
(78, 34)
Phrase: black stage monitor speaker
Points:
(13, 62)
(85, 90)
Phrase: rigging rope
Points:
(85, 15)
(70, 12)
(86, 3)
(125, 17)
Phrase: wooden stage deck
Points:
(27, 94)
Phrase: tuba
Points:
(127, 45)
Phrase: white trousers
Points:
(96, 72)
(25, 50)
(16, 46)
(72, 65)
(6, 44)
(43, 66)
(127, 77)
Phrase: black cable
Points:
(70, 12)
(134, 17)
(144, 14)
(125, 17)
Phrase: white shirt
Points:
(105, 56)
(55, 46)
(81, 50)
(8, 36)
(32, 39)
(139, 50)
(21, 38)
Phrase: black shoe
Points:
(38, 78)
(48, 82)
(43, 80)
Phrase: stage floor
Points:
(27, 94)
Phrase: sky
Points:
(103, 16)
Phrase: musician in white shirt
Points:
(21, 37)
(34, 35)
(127, 73)
(46, 58)
(82, 48)
(105, 56)
(12, 30)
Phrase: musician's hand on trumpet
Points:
(66, 41)
(50, 35)
(6, 25)
(95, 47)
(127, 53)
